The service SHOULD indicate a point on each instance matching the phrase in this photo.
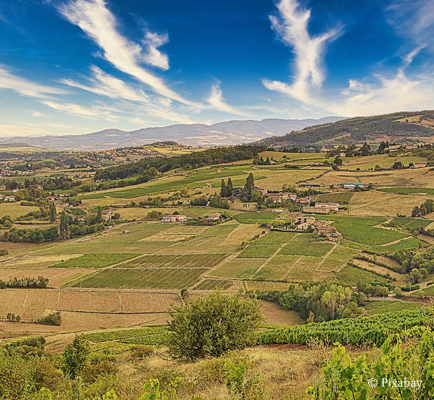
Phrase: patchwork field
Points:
(129, 274)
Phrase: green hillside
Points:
(402, 128)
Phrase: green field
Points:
(400, 221)
(237, 268)
(213, 284)
(351, 276)
(303, 245)
(341, 198)
(175, 261)
(144, 278)
(258, 251)
(418, 223)
(155, 335)
(305, 269)
(95, 260)
(406, 190)
(256, 217)
(340, 256)
(363, 230)
(407, 244)
(190, 182)
(381, 307)
(277, 268)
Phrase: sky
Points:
(81, 66)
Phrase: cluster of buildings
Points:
(321, 208)
(172, 219)
(305, 223)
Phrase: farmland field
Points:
(143, 278)
(351, 276)
(362, 230)
(213, 284)
(95, 260)
(303, 245)
(339, 257)
(407, 244)
(277, 268)
(408, 190)
(381, 307)
(341, 198)
(237, 268)
(256, 217)
(253, 251)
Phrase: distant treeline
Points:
(188, 161)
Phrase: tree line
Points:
(193, 160)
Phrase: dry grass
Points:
(375, 203)
(57, 276)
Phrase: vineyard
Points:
(95, 260)
(154, 272)
(372, 330)
(154, 335)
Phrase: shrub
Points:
(141, 351)
(51, 319)
(211, 326)
(92, 372)
(75, 356)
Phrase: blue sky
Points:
(79, 66)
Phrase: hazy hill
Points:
(402, 128)
(223, 133)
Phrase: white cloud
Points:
(38, 114)
(25, 87)
(154, 56)
(217, 101)
(106, 85)
(414, 20)
(376, 94)
(80, 111)
(291, 25)
(386, 95)
(93, 17)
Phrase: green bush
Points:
(211, 326)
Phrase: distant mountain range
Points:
(223, 133)
(402, 128)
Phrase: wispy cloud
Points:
(414, 20)
(25, 87)
(376, 94)
(94, 18)
(104, 84)
(78, 110)
(291, 26)
(217, 101)
(154, 56)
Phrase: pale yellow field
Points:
(14, 210)
(373, 203)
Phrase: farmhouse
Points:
(168, 219)
(304, 223)
(305, 220)
(107, 214)
(9, 198)
(332, 206)
(214, 217)
(303, 200)
(281, 197)
(326, 229)
(316, 210)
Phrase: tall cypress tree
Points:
(223, 189)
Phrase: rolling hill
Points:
(223, 133)
(402, 128)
